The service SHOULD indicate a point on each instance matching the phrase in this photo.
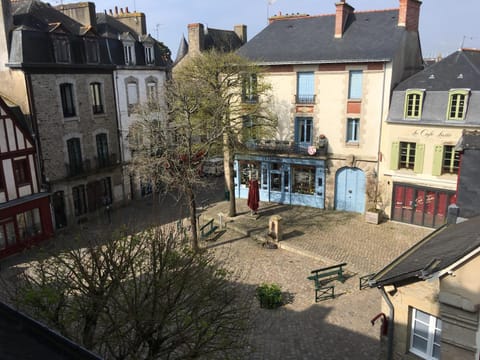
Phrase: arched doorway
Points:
(350, 190)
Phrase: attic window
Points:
(129, 52)
(149, 55)
(61, 48)
(460, 76)
(91, 50)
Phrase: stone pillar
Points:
(275, 227)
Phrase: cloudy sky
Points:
(444, 24)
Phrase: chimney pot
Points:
(116, 10)
(126, 9)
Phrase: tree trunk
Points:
(192, 207)
(229, 171)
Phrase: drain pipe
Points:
(391, 317)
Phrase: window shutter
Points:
(395, 156)
(437, 160)
(306, 84)
(419, 155)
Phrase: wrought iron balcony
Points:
(304, 99)
(78, 168)
(286, 147)
(103, 162)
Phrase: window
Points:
(304, 129)
(413, 104)
(305, 88)
(96, 92)
(29, 224)
(7, 233)
(249, 89)
(303, 179)
(250, 129)
(21, 169)
(451, 160)
(129, 52)
(75, 164)
(407, 155)
(457, 104)
(61, 48)
(68, 105)
(91, 50)
(102, 150)
(79, 200)
(355, 84)
(425, 335)
(353, 126)
(132, 94)
(152, 91)
(149, 55)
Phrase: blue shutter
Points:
(305, 84)
(355, 88)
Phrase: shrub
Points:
(269, 295)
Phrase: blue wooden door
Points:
(350, 190)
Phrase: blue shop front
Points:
(285, 180)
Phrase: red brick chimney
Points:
(409, 14)
(196, 38)
(341, 17)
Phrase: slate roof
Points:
(24, 338)
(459, 70)
(437, 251)
(368, 36)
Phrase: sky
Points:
(444, 24)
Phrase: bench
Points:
(334, 272)
(207, 229)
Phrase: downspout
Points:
(117, 111)
(380, 129)
(391, 317)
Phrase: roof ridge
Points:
(294, 16)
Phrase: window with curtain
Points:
(425, 335)
(355, 84)
(305, 88)
(96, 94)
(353, 127)
(304, 131)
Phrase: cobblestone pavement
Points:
(338, 328)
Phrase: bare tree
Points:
(139, 296)
(233, 92)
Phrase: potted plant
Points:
(374, 190)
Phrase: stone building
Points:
(59, 71)
(331, 76)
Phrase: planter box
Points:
(373, 217)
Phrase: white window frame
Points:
(129, 52)
(434, 325)
(353, 136)
(149, 55)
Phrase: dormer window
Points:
(129, 51)
(91, 50)
(149, 55)
(457, 104)
(61, 48)
(413, 104)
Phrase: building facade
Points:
(25, 217)
(331, 88)
(420, 162)
(60, 73)
(142, 68)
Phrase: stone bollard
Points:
(275, 227)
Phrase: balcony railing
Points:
(304, 99)
(103, 162)
(78, 168)
(286, 147)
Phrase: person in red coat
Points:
(253, 195)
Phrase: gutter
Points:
(391, 317)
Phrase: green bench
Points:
(207, 229)
(334, 272)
